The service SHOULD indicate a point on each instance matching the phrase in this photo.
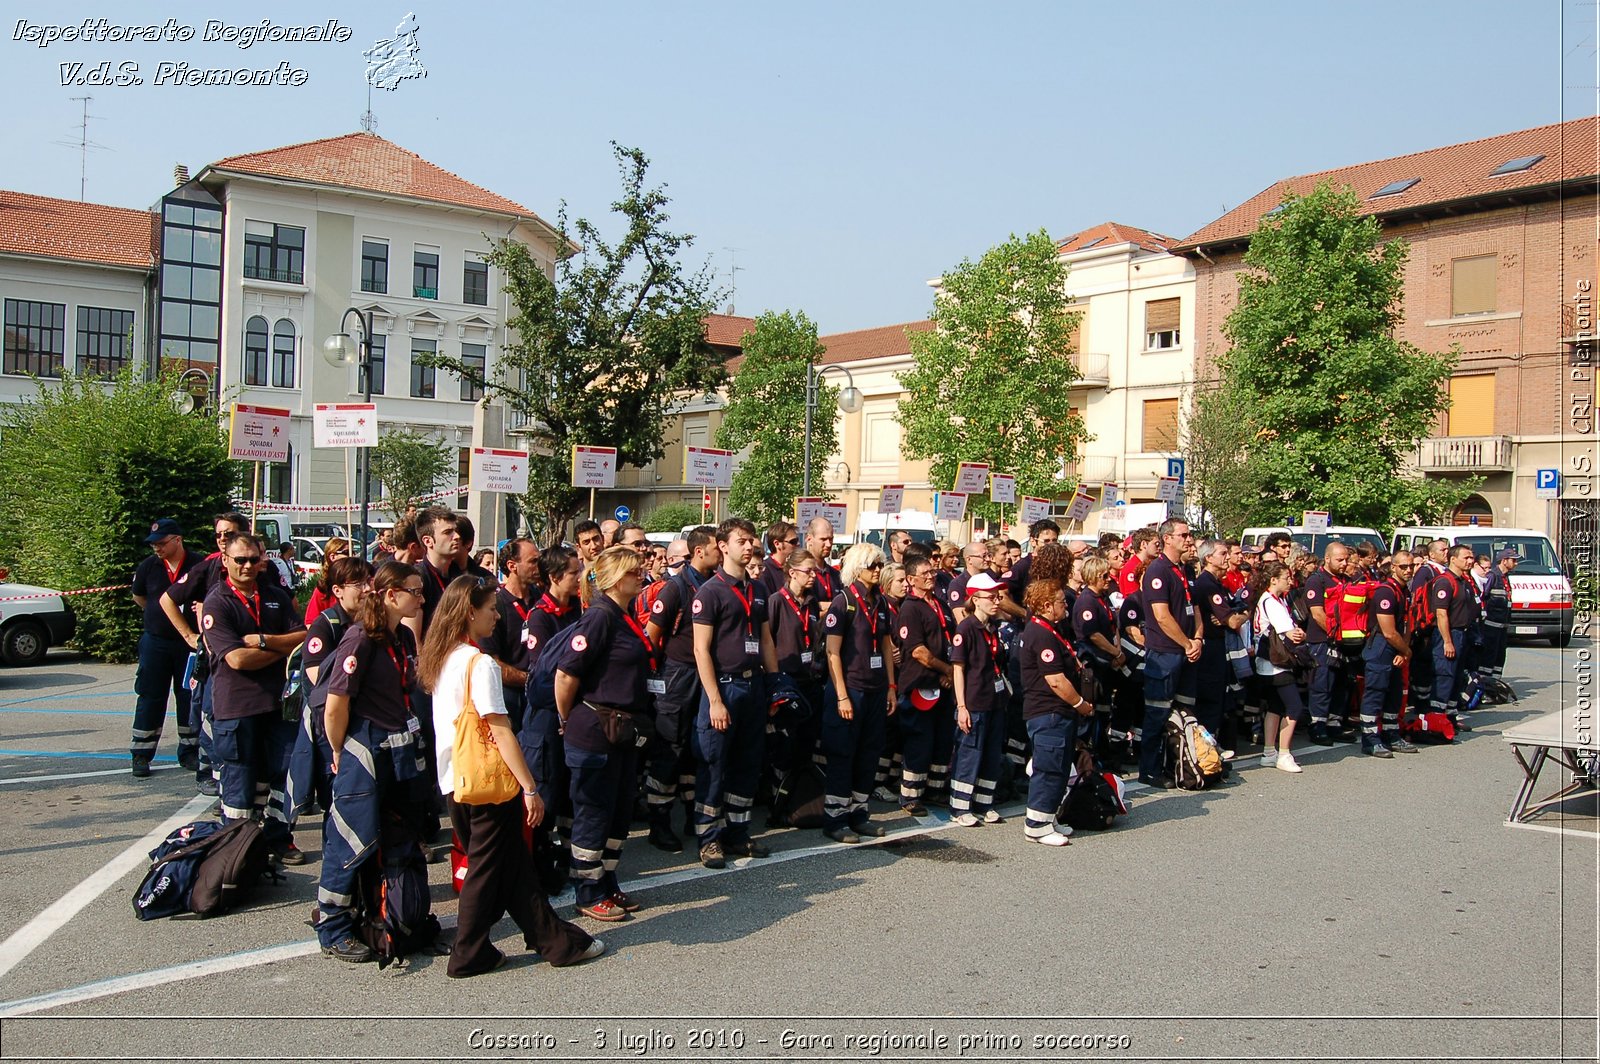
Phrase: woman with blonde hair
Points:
(322, 595)
(500, 876)
(860, 695)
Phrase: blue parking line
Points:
(95, 694)
(48, 710)
(123, 756)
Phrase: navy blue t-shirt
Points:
(1164, 582)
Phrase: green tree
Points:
(86, 467)
(991, 381)
(603, 348)
(1218, 478)
(672, 516)
(411, 465)
(1338, 403)
(767, 413)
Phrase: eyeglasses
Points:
(417, 591)
(804, 570)
(248, 559)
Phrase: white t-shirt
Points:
(1272, 615)
(450, 692)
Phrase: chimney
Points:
(180, 175)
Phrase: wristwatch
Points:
(261, 641)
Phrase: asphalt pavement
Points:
(1362, 910)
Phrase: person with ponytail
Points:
(1276, 687)
(378, 771)
(500, 876)
(560, 573)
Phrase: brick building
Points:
(1502, 234)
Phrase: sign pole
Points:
(255, 497)
(591, 504)
(716, 503)
(350, 513)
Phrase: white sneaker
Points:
(991, 817)
(1055, 838)
(1065, 829)
(1228, 755)
(1269, 758)
(966, 820)
(1287, 763)
(596, 947)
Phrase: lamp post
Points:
(341, 351)
(849, 402)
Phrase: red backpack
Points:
(1419, 617)
(645, 600)
(1349, 615)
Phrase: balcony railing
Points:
(424, 293)
(261, 273)
(1096, 469)
(1464, 453)
(1094, 369)
(379, 287)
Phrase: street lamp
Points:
(194, 388)
(849, 402)
(341, 351)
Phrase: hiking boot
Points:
(141, 767)
(189, 758)
(352, 950)
(1159, 783)
(1375, 748)
(745, 848)
(292, 855)
(1320, 736)
(844, 835)
(663, 838)
(1398, 743)
(207, 786)
(625, 901)
(605, 910)
(711, 855)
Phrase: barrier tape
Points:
(339, 508)
(63, 594)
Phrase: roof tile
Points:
(82, 232)
(1110, 233)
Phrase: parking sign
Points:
(1547, 484)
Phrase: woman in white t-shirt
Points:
(1276, 686)
(500, 876)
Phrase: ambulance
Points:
(1541, 593)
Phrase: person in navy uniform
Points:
(802, 657)
(163, 654)
(1328, 691)
(557, 608)
(733, 652)
(978, 678)
(976, 557)
(1094, 628)
(860, 697)
(1051, 705)
(601, 664)
(439, 532)
(1019, 573)
(1496, 615)
(508, 643)
(251, 629)
(1455, 611)
(1214, 703)
(1172, 647)
(819, 541)
(1387, 649)
(1427, 570)
(669, 759)
(1127, 711)
(926, 682)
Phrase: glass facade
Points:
(190, 283)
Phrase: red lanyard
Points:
(255, 610)
(172, 572)
(400, 667)
(993, 642)
(649, 647)
(516, 604)
(803, 616)
(747, 601)
(870, 615)
(435, 574)
(938, 610)
(552, 609)
(1047, 626)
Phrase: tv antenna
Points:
(84, 145)
(369, 121)
(733, 277)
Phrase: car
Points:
(32, 620)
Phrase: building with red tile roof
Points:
(42, 227)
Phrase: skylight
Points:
(1092, 243)
(1394, 188)
(1515, 166)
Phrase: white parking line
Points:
(79, 775)
(31, 935)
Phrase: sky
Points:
(839, 154)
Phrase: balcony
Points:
(1094, 370)
(1464, 454)
(1093, 469)
(424, 293)
(262, 273)
(379, 287)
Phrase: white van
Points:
(1315, 542)
(1541, 594)
(872, 528)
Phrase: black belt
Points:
(730, 677)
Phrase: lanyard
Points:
(870, 615)
(517, 605)
(1052, 630)
(938, 610)
(993, 642)
(803, 616)
(400, 667)
(747, 601)
(434, 573)
(172, 571)
(253, 610)
(548, 605)
(649, 647)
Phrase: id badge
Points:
(805, 657)
(656, 685)
(1000, 684)
(526, 637)
(413, 725)
(875, 661)
(752, 646)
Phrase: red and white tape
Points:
(61, 594)
(336, 508)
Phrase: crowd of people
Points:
(689, 685)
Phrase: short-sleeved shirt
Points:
(433, 584)
(736, 611)
(609, 654)
(956, 595)
(194, 585)
(1043, 653)
(1319, 586)
(919, 624)
(323, 636)
(828, 582)
(1016, 578)
(378, 678)
(670, 612)
(231, 622)
(1386, 600)
(977, 651)
(797, 636)
(1497, 598)
(1165, 583)
(1214, 603)
(860, 622)
(150, 579)
(1127, 581)
(449, 700)
(547, 619)
(1091, 617)
(508, 643)
(1454, 595)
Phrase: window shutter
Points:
(1472, 405)
(1472, 283)
(1160, 425)
(1161, 315)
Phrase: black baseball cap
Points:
(162, 529)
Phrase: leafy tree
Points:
(601, 349)
(86, 468)
(672, 516)
(1218, 478)
(991, 380)
(410, 465)
(767, 413)
(1337, 402)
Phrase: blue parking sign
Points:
(1175, 468)
(1547, 484)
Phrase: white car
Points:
(31, 625)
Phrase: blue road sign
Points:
(622, 513)
(1175, 468)
(1547, 484)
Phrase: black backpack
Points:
(797, 803)
(203, 868)
(1089, 804)
(394, 906)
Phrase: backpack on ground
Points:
(1091, 802)
(1428, 728)
(797, 803)
(203, 868)
(1193, 751)
(1498, 691)
(394, 908)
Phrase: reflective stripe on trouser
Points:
(1447, 672)
(976, 768)
(669, 761)
(201, 712)
(1325, 687)
(310, 765)
(1164, 676)
(916, 728)
(161, 665)
(891, 754)
(254, 757)
(545, 752)
(1380, 698)
(1212, 679)
(1052, 736)
(851, 747)
(1492, 650)
(602, 807)
(729, 762)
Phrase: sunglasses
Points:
(248, 559)
(791, 543)
(875, 566)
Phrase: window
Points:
(880, 435)
(473, 356)
(463, 474)
(475, 283)
(1160, 425)
(274, 252)
(380, 364)
(189, 320)
(283, 354)
(1161, 324)
(255, 351)
(1471, 406)
(422, 376)
(1472, 285)
(1394, 188)
(36, 337)
(105, 340)
(374, 266)
(1516, 166)
(425, 275)
(279, 480)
